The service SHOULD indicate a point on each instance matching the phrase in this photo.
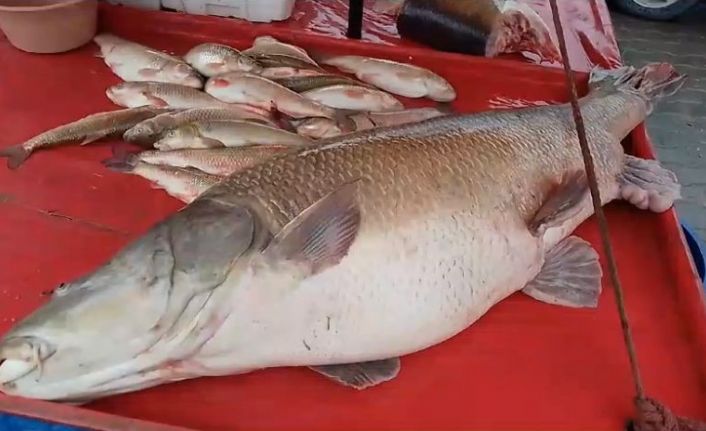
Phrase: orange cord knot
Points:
(654, 416)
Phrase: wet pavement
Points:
(678, 125)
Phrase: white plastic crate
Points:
(251, 10)
(144, 4)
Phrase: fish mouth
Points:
(21, 356)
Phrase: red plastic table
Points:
(524, 365)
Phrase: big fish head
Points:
(126, 325)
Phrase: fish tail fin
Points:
(520, 29)
(122, 161)
(653, 81)
(16, 155)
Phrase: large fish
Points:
(84, 131)
(134, 62)
(345, 256)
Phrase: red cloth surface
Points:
(524, 365)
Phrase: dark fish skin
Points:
(449, 25)
(306, 83)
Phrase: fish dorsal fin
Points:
(361, 375)
(571, 275)
(321, 235)
(563, 202)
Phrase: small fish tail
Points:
(652, 82)
(16, 155)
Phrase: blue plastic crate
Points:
(20, 423)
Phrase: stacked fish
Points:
(218, 110)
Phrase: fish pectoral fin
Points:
(571, 275)
(321, 235)
(361, 375)
(155, 101)
(91, 138)
(563, 202)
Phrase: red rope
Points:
(651, 415)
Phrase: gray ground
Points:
(678, 125)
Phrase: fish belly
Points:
(396, 292)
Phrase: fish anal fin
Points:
(571, 275)
(361, 375)
(321, 235)
(563, 202)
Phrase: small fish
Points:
(160, 95)
(215, 161)
(306, 83)
(290, 72)
(319, 128)
(354, 97)
(367, 120)
(134, 62)
(85, 131)
(228, 133)
(398, 78)
(279, 60)
(212, 59)
(151, 130)
(182, 183)
(268, 45)
(240, 87)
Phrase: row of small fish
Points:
(268, 58)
